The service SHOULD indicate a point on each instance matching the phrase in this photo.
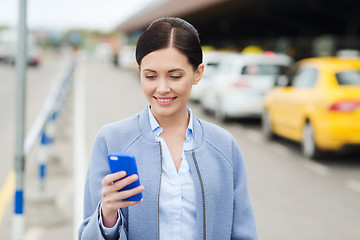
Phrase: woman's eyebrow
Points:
(176, 69)
(149, 70)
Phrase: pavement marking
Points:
(353, 185)
(7, 192)
(34, 233)
(316, 168)
(79, 146)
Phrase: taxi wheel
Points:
(309, 148)
(266, 126)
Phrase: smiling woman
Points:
(193, 173)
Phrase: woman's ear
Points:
(199, 73)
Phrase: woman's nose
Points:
(163, 87)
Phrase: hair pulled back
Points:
(170, 32)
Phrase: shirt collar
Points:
(157, 130)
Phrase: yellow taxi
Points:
(316, 104)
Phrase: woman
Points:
(193, 174)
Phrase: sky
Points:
(103, 15)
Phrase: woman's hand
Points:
(111, 197)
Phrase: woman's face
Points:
(166, 79)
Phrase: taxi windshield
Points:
(351, 77)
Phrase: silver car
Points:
(237, 90)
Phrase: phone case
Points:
(119, 161)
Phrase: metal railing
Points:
(50, 109)
(42, 132)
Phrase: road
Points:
(293, 197)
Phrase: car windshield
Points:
(262, 69)
(351, 77)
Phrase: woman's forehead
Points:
(167, 58)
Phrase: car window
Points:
(212, 64)
(262, 69)
(348, 77)
(305, 78)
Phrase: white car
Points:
(126, 57)
(238, 88)
(103, 52)
(211, 60)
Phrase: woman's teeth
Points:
(165, 100)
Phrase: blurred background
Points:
(282, 76)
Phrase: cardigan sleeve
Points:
(109, 233)
(90, 228)
(244, 226)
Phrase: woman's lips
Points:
(164, 100)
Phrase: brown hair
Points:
(170, 32)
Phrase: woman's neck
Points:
(179, 120)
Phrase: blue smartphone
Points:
(120, 161)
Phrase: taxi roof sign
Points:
(252, 49)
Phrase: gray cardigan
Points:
(224, 209)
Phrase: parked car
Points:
(211, 60)
(316, 104)
(8, 48)
(126, 58)
(238, 88)
(103, 52)
(34, 57)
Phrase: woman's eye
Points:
(150, 77)
(175, 77)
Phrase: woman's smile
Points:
(164, 101)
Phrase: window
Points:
(351, 77)
(305, 78)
